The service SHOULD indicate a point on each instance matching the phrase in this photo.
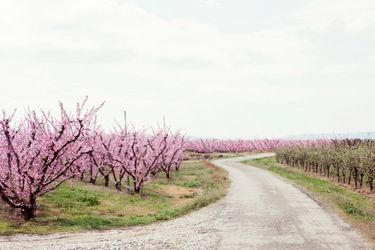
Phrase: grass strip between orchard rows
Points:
(355, 208)
(78, 206)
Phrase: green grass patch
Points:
(211, 156)
(78, 206)
(356, 208)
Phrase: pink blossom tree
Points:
(138, 155)
(173, 155)
(97, 162)
(206, 146)
(39, 154)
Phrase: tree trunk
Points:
(29, 212)
(137, 187)
(92, 180)
(355, 177)
(350, 177)
(128, 184)
(106, 180)
(370, 182)
(361, 180)
(118, 186)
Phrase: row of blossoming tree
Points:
(350, 161)
(41, 152)
(207, 146)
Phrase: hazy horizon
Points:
(212, 68)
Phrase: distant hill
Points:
(360, 135)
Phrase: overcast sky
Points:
(213, 68)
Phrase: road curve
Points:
(260, 211)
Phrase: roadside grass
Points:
(355, 208)
(227, 155)
(77, 206)
(216, 155)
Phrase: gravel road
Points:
(261, 211)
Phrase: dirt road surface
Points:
(261, 211)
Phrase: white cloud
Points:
(209, 3)
(352, 15)
(190, 71)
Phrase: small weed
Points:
(192, 184)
